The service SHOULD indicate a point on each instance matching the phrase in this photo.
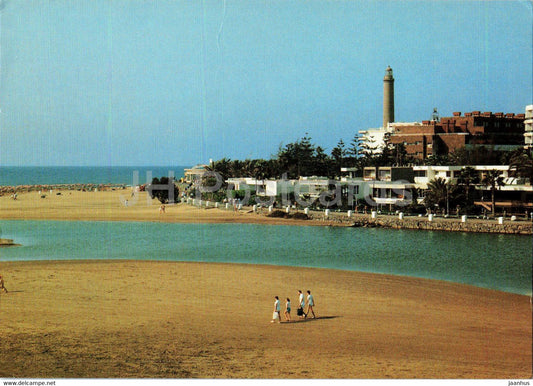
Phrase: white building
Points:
(425, 174)
(528, 127)
(264, 188)
(373, 140)
(391, 193)
(195, 173)
(312, 186)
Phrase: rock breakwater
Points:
(56, 187)
(518, 227)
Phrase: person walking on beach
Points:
(2, 287)
(288, 310)
(310, 304)
(277, 311)
(301, 304)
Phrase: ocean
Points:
(49, 175)
(500, 262)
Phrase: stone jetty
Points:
(46, 188)
(508, 226)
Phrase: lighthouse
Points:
(388, 97)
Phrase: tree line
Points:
(304, 158)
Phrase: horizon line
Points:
(93, 166)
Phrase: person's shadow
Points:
(305, 320)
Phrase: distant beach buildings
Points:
(435, 137)
(395, 185)
(528, 127)
(496, 131)
(195, 173)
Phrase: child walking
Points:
(288, 310)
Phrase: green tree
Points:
(368, 150)
(399, 154)
(436, 193)
(521, 165)
(223, 168)
(323, 164)
(437, 160)
(493, 180)
(478, 155)
(442, 194)
(299, 158)
(352, 151)
(339, 154)
(468, 178)
(163, 189)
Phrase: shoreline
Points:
(110, 205)
(78, 319)
(339, 270)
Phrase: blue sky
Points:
(131, 82)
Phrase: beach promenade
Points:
(111, 205)
(142, 319)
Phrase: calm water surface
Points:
(501, 262)
(43, 175)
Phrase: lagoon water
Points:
(501, 262)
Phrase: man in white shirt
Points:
(277, 310)
(301, 304)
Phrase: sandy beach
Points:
(133, 319)
(110, 206)
(173, 320)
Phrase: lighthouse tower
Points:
(388, 97)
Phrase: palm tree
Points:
(437, 193)
(259, 172)
(493, 179)
(521, 165)
(222, 167)
(442, 194)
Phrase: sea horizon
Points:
(49, 175)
